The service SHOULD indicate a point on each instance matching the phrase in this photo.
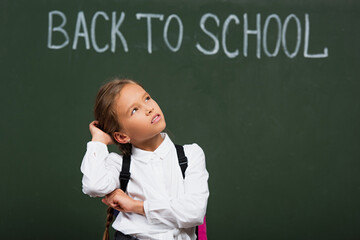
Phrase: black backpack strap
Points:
(125, 172)
(183, 161)
(124, 176)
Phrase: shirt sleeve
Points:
(187, 210)
(100, 170)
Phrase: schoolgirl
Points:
(158, 203)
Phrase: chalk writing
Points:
(251, 26)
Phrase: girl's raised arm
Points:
(100, 168)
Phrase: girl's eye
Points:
(148, 97)
(133, 111)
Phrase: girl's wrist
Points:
(97, 139)
(139, 207)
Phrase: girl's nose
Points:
(149, 109)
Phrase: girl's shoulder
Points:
(194, 152)
(192, 147)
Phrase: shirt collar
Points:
(161, 151)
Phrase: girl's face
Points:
(139, 115)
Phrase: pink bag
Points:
(201, 231)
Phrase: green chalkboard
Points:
(268, 89)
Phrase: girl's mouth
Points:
(156, 118)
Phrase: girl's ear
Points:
(121, 138)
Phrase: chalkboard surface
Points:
(268, 89)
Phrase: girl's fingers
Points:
(115, 206)
(95, 122)
(120, 209)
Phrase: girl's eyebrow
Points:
(135, 103)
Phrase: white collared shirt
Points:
(173, 206)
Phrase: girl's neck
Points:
(150, 144)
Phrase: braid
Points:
(109, 219)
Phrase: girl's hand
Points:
(123, 203)
(98, 135)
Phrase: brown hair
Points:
(105, 113)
